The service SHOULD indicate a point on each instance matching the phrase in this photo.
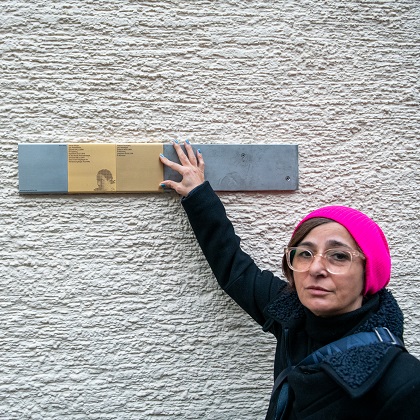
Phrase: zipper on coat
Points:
(287, 346)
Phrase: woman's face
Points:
(103, 183)
(323, 293)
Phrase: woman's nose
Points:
(318, 265)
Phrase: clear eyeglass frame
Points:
(333, 267)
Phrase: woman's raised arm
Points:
(234, 269)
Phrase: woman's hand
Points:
(191, 169)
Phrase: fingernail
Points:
(176, 141)
(163, 185)
(187, 141)
(161, 155)
(199, 151)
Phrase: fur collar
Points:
(287, 309)
(359, 368)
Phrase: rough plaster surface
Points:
(107, 308)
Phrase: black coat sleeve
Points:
(235, 270)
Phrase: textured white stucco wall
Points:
(107, 307)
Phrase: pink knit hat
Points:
(370, 238)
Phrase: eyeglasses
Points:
(337, 260)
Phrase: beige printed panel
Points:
(139, 168)
(92, 168)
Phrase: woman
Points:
(105, 181)
(337, 264)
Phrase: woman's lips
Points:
(316, 290)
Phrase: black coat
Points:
(379, 381)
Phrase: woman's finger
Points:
(200, 161)
(181, 154)
(175, 166)
(168, 184)
(176, 186)
(190, 153)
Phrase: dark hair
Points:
(297, 238)
(107, 174)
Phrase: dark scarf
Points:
(359, 368)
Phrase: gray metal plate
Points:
(244, 167)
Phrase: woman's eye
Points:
(339, 256)
(303, 253)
